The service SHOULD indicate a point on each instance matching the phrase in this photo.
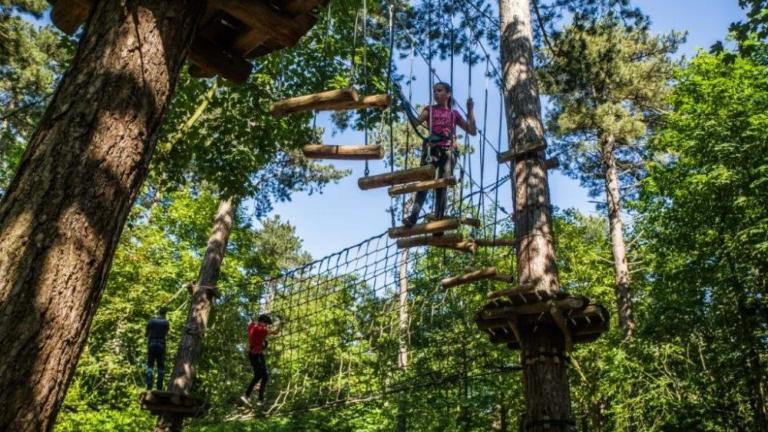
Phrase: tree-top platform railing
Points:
(230, 33)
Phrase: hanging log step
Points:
(422, 185)
(161, 402)
(331, 100)
(482, 274)
(343, 152)
(425, 228)
(426, 172)
(512, 154)
(448, 241)
(495, 242)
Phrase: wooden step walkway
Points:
(330, 100)
(343, 152)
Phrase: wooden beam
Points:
(551, 163)
(422, 185)
(536, 308)
(429, 240)
(495, 243)
(69, 15)
(511, 155)
(298, 7)
(370, 101)
(343, 152)
(312, 101)
(258, 15)
(426, 172)
(425, 228)
(486, 273)
(210, 57)
(473, 222)
(249, 41)
(559, 319)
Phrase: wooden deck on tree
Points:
(161, 402)
(230, 32)
(426, 172)
(343, 152)
(331, 100)
(515, 312)
(422, 185)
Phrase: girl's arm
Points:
(424, 116)
(469, 125)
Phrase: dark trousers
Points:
(443, 159)
(259, 365)
(155, 356)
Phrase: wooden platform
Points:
(421, 185)
(515, 312)
(161, 402)
(426, 172)
(230, 33)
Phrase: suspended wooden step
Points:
(161, 402)
(343, 152)
(512, 154)
(426, 172)
(495, 243)
(230, 32)
(425, 228)
(331, 100)
(474, 276)
(422, 185)
(448, 241)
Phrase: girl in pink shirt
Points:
(440, 147)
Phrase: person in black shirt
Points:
(157, 329)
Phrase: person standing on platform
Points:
(157, 330)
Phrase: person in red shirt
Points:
(440, 147)
(257, 343)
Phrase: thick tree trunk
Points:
(64, 211)
(619, 248)
(547, 393)
(191, 344)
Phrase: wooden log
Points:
(283, 28)
(422, 185)
(511, 155)
(462, 246)
(212, 58)
(473, 222)
(312, 101)
(429, 240)
(425, 228)
(426, 172)
(495, 243)
(551, 163)
(69, 15)
(370, 101)
(504, 278)
(486, 273)
(343, 152)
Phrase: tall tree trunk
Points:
(619, 248)
(403, 326)
(547, 394)
(191, 344)
(63, 213)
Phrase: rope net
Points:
(373, 319)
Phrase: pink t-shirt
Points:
(444, 122)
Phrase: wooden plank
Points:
(425, 228)
(69, 15)
(246, 43)
(511, 155)
(551, 163)
(486, 273)
(495, 243)
(422, 185)
(283, 28)
(536, 308)
(212, 58)
(426, 172)
(298, 7)
(370, 101)
(473, 222)
(312, 101)
(429, 240)
(343, 152)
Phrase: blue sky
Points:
(343, 215)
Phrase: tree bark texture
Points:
(618, 246)
(64, 211)
(547, 392)
(190, 347)
(403, 335)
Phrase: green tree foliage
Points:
(31, 58)
(704, 207)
